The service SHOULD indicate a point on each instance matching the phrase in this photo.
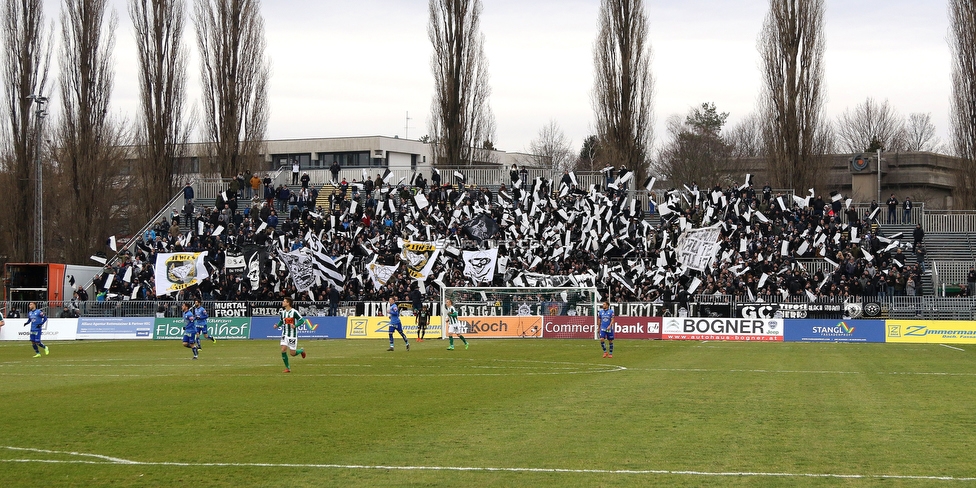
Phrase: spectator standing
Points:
(255, 185)
(917, 236)
(334, 169)
(305, 179)
(295, 167)
(188, 193)
(892, 205)
(971, 278)
(514, 174)
(906, 217)
(333, 300)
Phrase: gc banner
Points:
(722, 329)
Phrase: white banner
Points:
(697, 247)
(480, 265)
(722, 329)
(54, 330)
(178, 271)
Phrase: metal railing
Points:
(893, 307)
(949, 221)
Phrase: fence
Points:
(949, 221)
(893, 307)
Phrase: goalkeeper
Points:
(606, 328)
(288, 322)
(454, 325)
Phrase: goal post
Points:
(563, 312)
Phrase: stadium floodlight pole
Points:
(38, 179)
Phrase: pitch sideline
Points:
(109, 460)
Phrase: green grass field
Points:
(504, 413)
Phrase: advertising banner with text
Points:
(327, 328)
(568, 327)
(220, 328)
(115, 328)
(378, 327)
(931, 331)
(797, 330)
(637, 328)
(709, 329)
(54, 330)
(504, 326)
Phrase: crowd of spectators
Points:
(830, 249)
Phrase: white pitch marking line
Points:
(950, 347)
(108, 460)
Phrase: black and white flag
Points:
(480, 265)
(234, 262)
(481, 227)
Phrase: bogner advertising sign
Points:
(716, 329)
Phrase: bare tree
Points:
(871, 126)
(796, 136)
(461, 124)
(623, 88)
(746, 138)
(962, 41)
(161, 130)
(26, 55)
(88, 143)
(235, 76)
(552, 149)
(589, 155)
(919, 134)
(695, 151)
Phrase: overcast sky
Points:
(353, 68)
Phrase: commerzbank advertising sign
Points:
(931, 331)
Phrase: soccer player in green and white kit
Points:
(454, 325)
(289, 322)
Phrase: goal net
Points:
(557, 312)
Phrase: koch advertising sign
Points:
(503, 326)
(53, 330)
(115, 328)
(834, 330)
(721, 329)
(326, 328)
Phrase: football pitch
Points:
(503, 413)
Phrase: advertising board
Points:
(797, 330)
(931, 331)
(220, 328)
(327, 328)
(54, 330)
(378, 327)
(115, 328)
(721, 329)
(637, 328)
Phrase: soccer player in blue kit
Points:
(36, 319)
(606, 328)
(201, 320)
(395, 324)
(190, 338)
